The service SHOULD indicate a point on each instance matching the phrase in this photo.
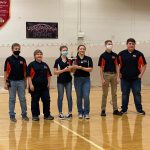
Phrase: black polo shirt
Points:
(108, 61)
(39, 73)
(85, 62)
(15, 68)
(131, 63)
(64, 77)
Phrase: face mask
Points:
(109, 47)
(64, 53)
(16, 53)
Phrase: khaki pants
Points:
(112, 80)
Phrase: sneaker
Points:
(123, 112)
(13, 119)
(35, 118)
(61, 116)
(103, 113)
(49, 118)
(69, 116)
(87, 116)
(142, 112)
(118, 113)
(80, 116)
(25, 118)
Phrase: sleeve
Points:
(30, 71)
(101, 61)
(7, 67)
(90, 62)
(49, 74)
(142, 60)
(56, 64)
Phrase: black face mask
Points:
(16, 53)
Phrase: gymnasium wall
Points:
(98, 19)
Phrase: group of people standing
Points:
(128, 66)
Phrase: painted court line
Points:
(75, 133)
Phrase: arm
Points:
(118, 73)
(58, 72)
(89, 69)
(102, 76)
(49, 81)
(5, 81)
(143, 68)
(30, 84)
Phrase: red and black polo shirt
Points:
(85, 62)
(108, 61)
(131, 63)
(64, 77)
(15, 68)
(39, 73)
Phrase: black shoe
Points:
(123, 112)
(13, 119)
(35, 118)
(103, 113)
(49, 118)
(25, 118)
(142, 112)
(118, 113)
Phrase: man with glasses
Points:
(15, 81)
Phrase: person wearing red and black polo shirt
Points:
(109, 73)
(83, 66)
(64, 81)
(15, 81)
(132, 67)
(39, 75)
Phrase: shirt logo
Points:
(45, 67)
(83, 61)
(21, 62)
(134, 56)
(113, 57)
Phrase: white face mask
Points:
(109, 47)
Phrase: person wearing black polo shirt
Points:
(109, 73)
(132, 67)
(15, 81)
(64, 81)
(39, 75)
(82, 83)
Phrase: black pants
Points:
(45, 97)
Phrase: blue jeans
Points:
(19, 88)
(82, 87)
(68, 88)
(126, 86)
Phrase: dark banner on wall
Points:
(4, 11)
(42, 30)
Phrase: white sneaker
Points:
(87, 116)
(80, 116)
(61, 116)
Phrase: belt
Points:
(110, 72)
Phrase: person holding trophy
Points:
(62, 68)
(83, 65)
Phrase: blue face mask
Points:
(64, 53)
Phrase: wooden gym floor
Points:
(129, 132)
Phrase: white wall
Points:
(100, 20)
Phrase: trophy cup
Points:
(72, 60)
